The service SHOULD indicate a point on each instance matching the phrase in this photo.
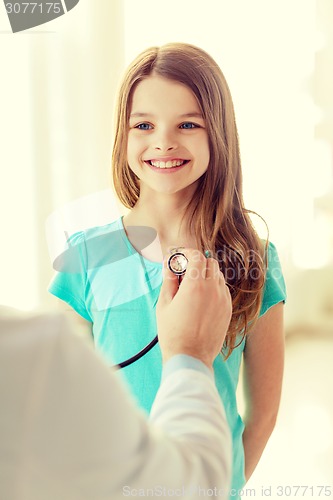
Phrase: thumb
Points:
(170, 283)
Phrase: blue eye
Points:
(144, 126)
(188, 125)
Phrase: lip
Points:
(167, 158)
(171, 170)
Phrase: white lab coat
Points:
(69, 430)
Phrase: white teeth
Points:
(168, 164)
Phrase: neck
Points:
(164, 214)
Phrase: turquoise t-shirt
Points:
(109, 283)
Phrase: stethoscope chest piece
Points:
(177, 263)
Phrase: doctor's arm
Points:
(77, 434)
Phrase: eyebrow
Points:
(195, 114)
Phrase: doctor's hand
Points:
(194, 318)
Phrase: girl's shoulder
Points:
(275, 287)
(89, 247)
(93, 232)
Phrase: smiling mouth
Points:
(167, 164)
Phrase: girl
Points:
(176, 166)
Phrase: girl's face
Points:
(167, 145)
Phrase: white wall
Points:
(58, 85)
(267, 51)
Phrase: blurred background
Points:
(58, 85)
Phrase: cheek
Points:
(204, 152)
(200, 146)
(134, 146)
(134, 152)
(131, 151)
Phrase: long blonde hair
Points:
(216, 212)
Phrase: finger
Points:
(213, 272)
(196, 266)
(224, 284)
(226, 288)
(170, 283)
(213, 269)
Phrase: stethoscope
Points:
(177, 263)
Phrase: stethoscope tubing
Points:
(138, 355)
(153, 342)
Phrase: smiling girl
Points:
(176, 166)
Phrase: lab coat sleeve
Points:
(69, 428)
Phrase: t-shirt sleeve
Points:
(275, 287)
(70, 282)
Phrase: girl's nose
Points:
(165, 142)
